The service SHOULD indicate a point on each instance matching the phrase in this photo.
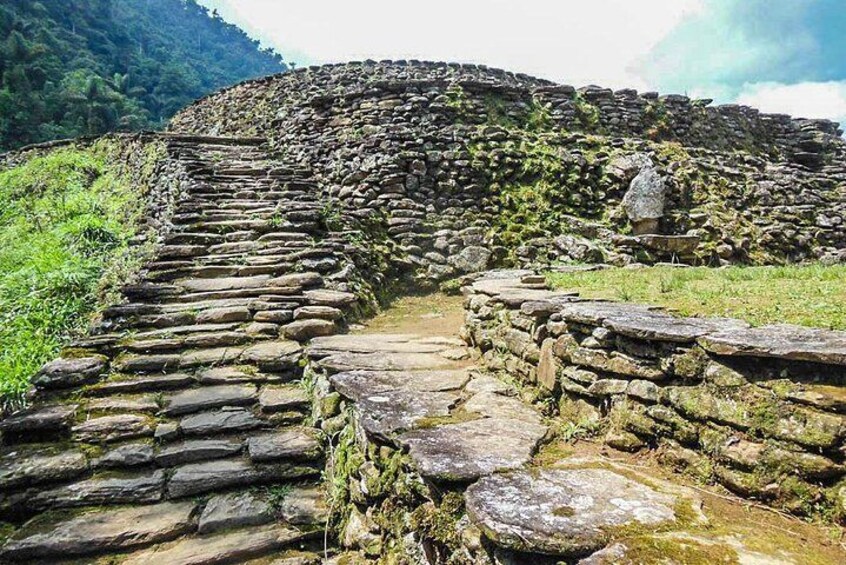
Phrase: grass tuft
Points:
(66, 220)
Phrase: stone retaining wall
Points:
(758, 410)
(466, 167)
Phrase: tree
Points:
(71, 67)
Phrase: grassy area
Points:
(812, 295)
(66, 219)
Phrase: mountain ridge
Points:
(87, 67)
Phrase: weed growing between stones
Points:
(536, 185)
(587, 114)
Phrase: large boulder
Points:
(645, 199)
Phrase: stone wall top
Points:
(691, 121)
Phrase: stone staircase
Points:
(177, 432)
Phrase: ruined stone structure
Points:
(759, 410)
(466, 166)
(194, 423)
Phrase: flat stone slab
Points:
(514, 298)
(231, 547)
(226, 420)
(273, 355)
(101, 531)
(492, 405)
(496, 286)
(145, 383)
(41, 419)
(469, 450)
(208, 397)
(211, 475)
(20, 469)
(127, 455)
(113, 428)
(355, 384)
(123, 489)
(283, 398)
(372, 343)
(234, 510)
(387, 413)
(197, 450)
(339, 362)
(780, 341)
(563, 512)
(645, 322)
(63, 373)
(293, 444)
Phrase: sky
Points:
(782, 56)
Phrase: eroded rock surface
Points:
(566, 512)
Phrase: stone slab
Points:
(100, 531)
(231, 547)
(19, 469)
(234, 510)
(197, 450)
(40, 419)
(222, 421)
(466, 451)
(290, 444)
(371, 343)
(355, 384)
(204, 398)
(563, 512)
(339, 362)
(781, 341)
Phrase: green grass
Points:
(66, 220)
(811, 295)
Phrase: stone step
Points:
(24, 468)
(101, 531)
(192, 451)
(229, 547)
(272, 356)
(570, 513)
(136, 488)
(205, 398)
(151, 383)
(210, 476)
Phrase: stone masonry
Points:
(758, 410)
(195, 421)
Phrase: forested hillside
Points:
(78, 67)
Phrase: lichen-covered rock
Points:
(98, 531)
(64, 373)
(564, 512)
(645, 199)
(469, 450)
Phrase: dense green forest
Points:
(85, 67)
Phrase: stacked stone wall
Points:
(757, 410)
(449, 159)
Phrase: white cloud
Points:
(805, 99)
(571, 42)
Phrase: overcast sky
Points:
(779, 55)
